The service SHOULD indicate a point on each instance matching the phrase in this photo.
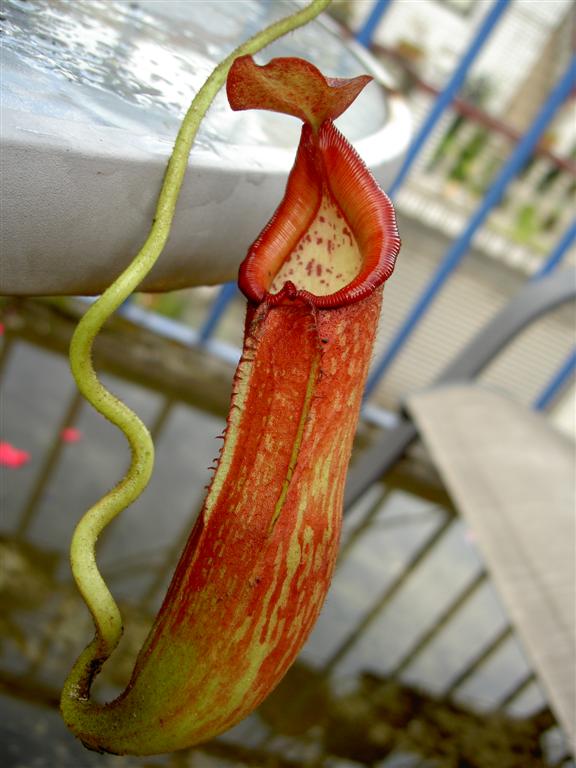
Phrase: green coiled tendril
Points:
(105, 612)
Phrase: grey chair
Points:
(513, 478)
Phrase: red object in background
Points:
(71, 435)
(12, 457)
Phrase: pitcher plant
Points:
(256, 569)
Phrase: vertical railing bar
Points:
(161, 418)
(448, 94)
(216, 311)
(171, 558)
(365, 34)
(482, 657)
(558, 252)
(49, 465)
(557, 383)
(460, 247)
(363, 524)
(388, 594)
(5, 351)
(164, 570)
(518, 689)
(445, 617)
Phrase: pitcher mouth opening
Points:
(333, 239)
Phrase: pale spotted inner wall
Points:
(327, 257)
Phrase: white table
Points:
(512, 477)
(92, 96)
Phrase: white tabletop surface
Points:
(92, 97)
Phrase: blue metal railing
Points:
(461, 245)
(365, 34)
(448, 94)
(216, 311)
(558, 253)
(557, 383)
